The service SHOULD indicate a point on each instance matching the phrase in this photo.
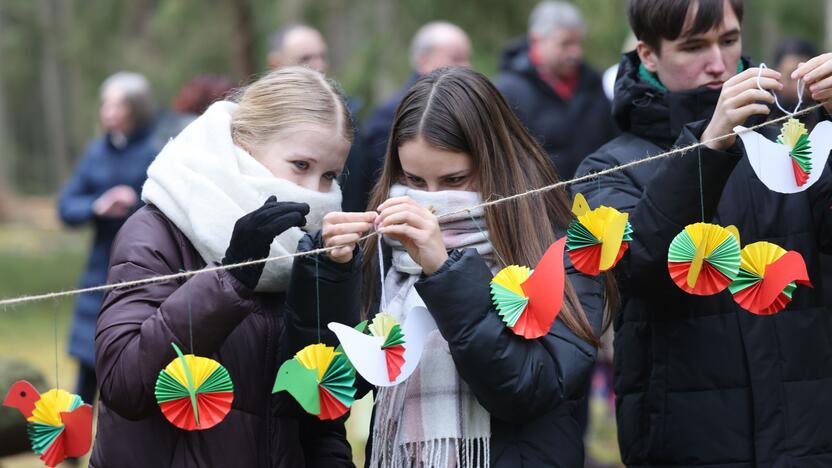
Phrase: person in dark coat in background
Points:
(699, 380)
(482, 395)
(437, 44)
(236, 185)
(556, 95)
(104, 191)
(300, 44)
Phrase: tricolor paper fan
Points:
(794, 135)
(529, 301)
(597, 239)
(704, 258)
(194, 392)
(387, 327)
(321, 379)
(59, 423)
(768, 277)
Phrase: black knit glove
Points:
(254, 233)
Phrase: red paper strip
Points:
(710, 280)
(331, 407)
(56, 452)
(78, 430)
(800, 177)
(748, 299)
(394, 355)
(786, 269)
(213, 407)
(544, 288)
(587, 260)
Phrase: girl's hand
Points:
(344, 230)
(416, 228)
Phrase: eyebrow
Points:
(455, 174)
(699, 37)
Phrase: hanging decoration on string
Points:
(59, 424)
(391, 351)
(704, 258)
(194, 393)
(796, 160)
(597, 239)
(528, 301)
(321, 379)
(768, 277)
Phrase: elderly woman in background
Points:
(103, 191)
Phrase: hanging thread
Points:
(55, 332)
(801, 86)
(485, 236)
(383, 303)
(317, 299)
(701, 187)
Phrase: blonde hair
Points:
(287, 98)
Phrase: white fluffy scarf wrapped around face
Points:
(204, 183)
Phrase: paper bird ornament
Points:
(795, 161)
(387, 327)
(768, 277)
(528, 301)
(596, 239)
(194, 393)
(704, 258)
(385, 366)
(321, 379)
(59, 423)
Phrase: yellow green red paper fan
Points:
(387, 327)
(596, 239)
(704, 258)
(59, 424)
(528, 301)
(321, 379)
(767, 278)
(193, 392)
(794, 135)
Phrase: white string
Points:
(801, 86)
(563, 183)
(383, 303)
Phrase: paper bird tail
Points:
(800, 175)
(747, 299)
(710, 280)
(56, 452)
(587, 260)
(394, 355)
(331, 407)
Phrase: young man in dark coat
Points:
(557, 96)
(103, 192)
(699, 380)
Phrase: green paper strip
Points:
(395, 337)
(628, 232)
(726, 257)
(218, 381)
(578, 236)
(339, 380)
(744, 279)
(168, 388)
(681, 248)
(801, 152)
(190, 378)
(509, 305)
(41, 436)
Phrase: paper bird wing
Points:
(78, 426)
(771, 162)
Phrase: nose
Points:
(716, 61)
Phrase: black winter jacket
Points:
(700, 381)
(531, 388)
(568, 130)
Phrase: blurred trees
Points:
(55, 53)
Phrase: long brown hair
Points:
(460, 110)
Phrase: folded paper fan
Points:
(387, 327)
(704, 258)
(59, 424)
(767, 278)
(321, 379)
(597, 239)
(795, 161)
(528, 301)
(194, 393)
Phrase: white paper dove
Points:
(367, 356)
(794, 162)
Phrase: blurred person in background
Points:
(103, 192)
(553, 91)
(192, 100)
(435, 45)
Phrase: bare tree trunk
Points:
(52, 95)
(243, 63)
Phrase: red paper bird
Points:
(59, 423)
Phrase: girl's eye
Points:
(302, 165)
(415, 180)
(455, 180)
(330, 176)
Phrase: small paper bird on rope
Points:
(704, 258)
(528, 301)
(795, 161)
(59, 423)
(597, 239)
(321, 379)
(194, 393)
(768, 277)
(387, 327)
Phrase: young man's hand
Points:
(741, 97)
(817, 76)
